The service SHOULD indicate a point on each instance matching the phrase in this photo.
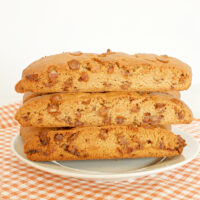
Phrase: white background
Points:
(30, 29)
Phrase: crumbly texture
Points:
(109, 71)
(30, 95)
(108, 142)
(99, 109)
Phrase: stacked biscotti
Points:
(81, 106)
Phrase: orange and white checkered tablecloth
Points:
(20, 181)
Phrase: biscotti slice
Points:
(109, 71)
(98, 109)
(30, 95)
(108, 142)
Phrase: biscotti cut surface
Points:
(109, 71)
(30, 95)
(109, 142)
(98, 109)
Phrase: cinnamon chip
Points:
(119, 150)
(102, 111)
(78, 123)
(86, 102)
(107, 120)
(162, 59)
(52, 108)
(125, 85)
(44, 140)
(162, 146)
(78, 113)
(32, 77)
(103, 134)
(84, 77)
(152, 119)
(107, 84)
(74, 64)
(73, 136)
(108, 51)
(26, 118)
(73, 150)
(135, 109)
(68, 84)
(58, 137)
(181, 114)
(33, 151)
(110, 69)
(159, 105)
(76, 53)
(96, 68)
(56, 99)
(53, 75)
(120, 119)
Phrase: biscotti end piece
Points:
(100, 109)
(109, 142)
(110, 71)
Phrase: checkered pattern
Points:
(7, 113)
(20, 181)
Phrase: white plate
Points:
(111, 170)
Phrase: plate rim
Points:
(104, 177)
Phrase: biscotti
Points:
(30, 95)
(84, 72)
(99, 109)
(108, 142)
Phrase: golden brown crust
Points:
(109, 142)
(30, 95)
(98, 109)
(105, 72)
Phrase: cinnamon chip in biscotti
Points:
(103, 134)
(110, 69)
(120, 119)
(125, 85)
(162, 146)
(74, 64)
(78, 113)
(32, 77)
(68, 84)
(126, 73)
(26, 118)
(152, 119)
(107, 84)
(102, 111)
(135, 109)
(33, 151)
(84, 77)
(73, 150)
(78, 123)
(159, 105)
(96, 68)
(56, 99)
(53, 75)
(73, 136)
(44, 140)
(53, 108)
(181, 114)
(86, 102)
(58, 137)
(76, 53)
(107, 120)
(163, 58)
